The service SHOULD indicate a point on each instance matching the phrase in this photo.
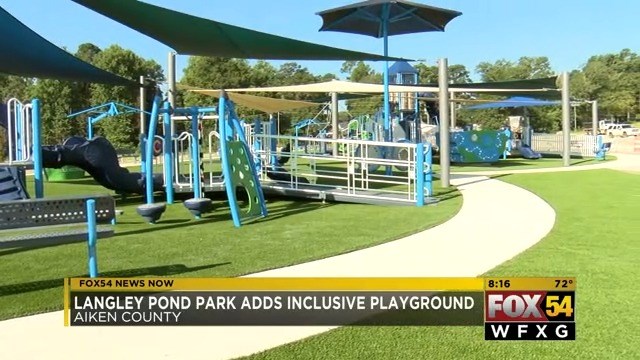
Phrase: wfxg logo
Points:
(530, 331)
(529, 306)
(529, 315)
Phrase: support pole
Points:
(168, 153)
(273, 143)
(92, 232)
(143, 120)
(387, 110)
(420, 160)
(143, 95)
(195, 154)
(171, 77)
(148, 171)
(566, 121)
(334, 121)
(89, 128)
(36, 126)
(453, 110)
(445, 136)
(594, 116)
(417, 135)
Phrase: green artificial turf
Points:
(523, 164)
(294, 232)
(595, 239)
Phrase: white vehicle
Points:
(622, 130)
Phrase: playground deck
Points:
(339, 194)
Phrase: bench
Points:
(47, 221)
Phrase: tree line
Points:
(612, 79)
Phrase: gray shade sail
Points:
(192, 35)
(25, 53)
(402, 17)
(514, 102)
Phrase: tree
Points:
(214, 73)
(87, 52)
(359, 71)
(57, 99)
(292, 73)
(122, 131)
(263, 74)
(505, 70)
(427, 74)
(612, 79)
(524, 68)
(14, 87)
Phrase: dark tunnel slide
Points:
(99, 158)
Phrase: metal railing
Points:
(360, 169)
(19, 131)
(183, 155)
(583, 145)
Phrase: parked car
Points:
(623, 130)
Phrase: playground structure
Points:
(184, 157)
(281, 172)
(531, 145)
(407, 125)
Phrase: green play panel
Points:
(63, 174)
(242, 176)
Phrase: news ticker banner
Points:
(508, 308)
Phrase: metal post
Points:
(171, 78)
(387, 115)
(148, 171)
(89, 128)
(428, 178)
(142, 105)
(92, 236)
(37, 148)
(334, 121)
(445, 136)
(453, 111)
(168, 153)
(195, 153)
(143, 120)
(273, 143)
(566, 120)
(420, 174)
(418, 118)
(19, 133)
(594, 116)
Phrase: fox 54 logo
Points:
(529, 306)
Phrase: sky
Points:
(568, 32)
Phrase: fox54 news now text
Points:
(530, 315)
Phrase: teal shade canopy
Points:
(192, 35)
(25, 53)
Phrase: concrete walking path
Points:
(624, 162)
(494, 225)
